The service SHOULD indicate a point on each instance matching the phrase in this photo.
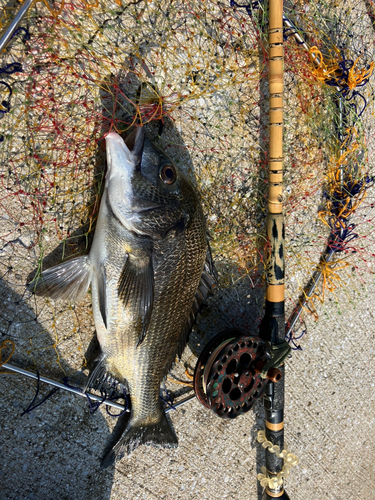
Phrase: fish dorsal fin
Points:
(69, 281)
(204, 290)
(137, 283)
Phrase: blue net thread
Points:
(342, 230)
(26, 34)
(127, 405)
(9, 69)
(249, 8)
(93, 406)
(345, 91)
(33, 406)
(293, 30)
(292, 340)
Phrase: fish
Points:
(150, 269)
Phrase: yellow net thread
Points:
(5, 345)
(327, 69)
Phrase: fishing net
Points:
(193, 73)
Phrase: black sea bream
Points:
(149, 271)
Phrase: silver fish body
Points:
(149, 273)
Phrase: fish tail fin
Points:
(154, 430)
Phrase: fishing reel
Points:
(227, 377)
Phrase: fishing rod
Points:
(272, 328)
(235, 369)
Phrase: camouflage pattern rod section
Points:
(276, 263)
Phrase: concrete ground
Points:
(54, 452)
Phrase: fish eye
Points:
(168, 174)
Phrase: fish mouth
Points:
(113, 136)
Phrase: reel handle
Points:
(273, 374)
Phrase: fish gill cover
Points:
(195, 75)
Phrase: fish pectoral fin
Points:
(154, 430)
(69, 281)
(136, 284)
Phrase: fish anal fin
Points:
(102, 378)
(136, 283)
(69, 280)
(153, 430)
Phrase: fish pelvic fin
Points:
(69, 281)
(136, 283)
(101, 277)
(153, 430)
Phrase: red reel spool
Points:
(226, 377)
